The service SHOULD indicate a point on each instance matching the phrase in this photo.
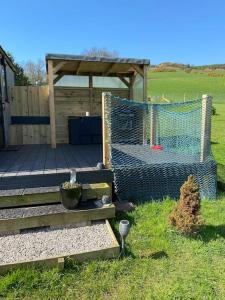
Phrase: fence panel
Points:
(29, 101)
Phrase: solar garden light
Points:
(106, 200)
(73, 176)
(124, 228)
(100, 165)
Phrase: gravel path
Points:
(22, 212)
(46, 243)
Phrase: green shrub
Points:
(185, 217)
(70, 185)
(213, 110)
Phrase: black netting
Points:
(154, 148)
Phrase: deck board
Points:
(39, 163)
(15, 165)
(50, 162)
(27, 161)
(42, 159)
(70, 156)
(61, 162)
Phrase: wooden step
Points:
(15, 219)
(51, 261)
(32, 179)
(48, 195)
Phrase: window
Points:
(108, 82)
(98, 82)
(73, 81)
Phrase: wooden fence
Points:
(32, 102)
(76, 102)
(29, 101)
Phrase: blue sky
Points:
(173, 30)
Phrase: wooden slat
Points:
(65, 217)
(48, 195)
(75, 102)
(29, 101)
(51, 104)
(34, 101)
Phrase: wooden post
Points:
(206, 126)
(145, 71)
(105, 132)
(51, 104)
(90, 94)
(153, 125)
(145, 83)
(61, 262)
(131, 86)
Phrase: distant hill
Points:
(173, 66)
(213, 67)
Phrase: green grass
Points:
(218, 133)
(160, 264)
(174, 85)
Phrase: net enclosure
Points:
(153, 148)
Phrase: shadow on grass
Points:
(154, 255)
(214, 143)
(221, 176)
(209, 233)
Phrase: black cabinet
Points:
(85, 130)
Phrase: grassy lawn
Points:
(160, 264)
(218, 133)
(174, 85)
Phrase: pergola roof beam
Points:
(138, 70)
(95, 73)
(58, 77)
(78, 67)
(58, 66)
(109, 69)
(124, 81)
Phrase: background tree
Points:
(35, 72)
(20, 76)
(100, 52)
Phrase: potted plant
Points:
(71, 193)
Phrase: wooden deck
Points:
(42, 159)
(31, 162)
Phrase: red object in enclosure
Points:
(157, 147)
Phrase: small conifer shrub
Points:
(186, 217)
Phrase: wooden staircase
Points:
(37, 207)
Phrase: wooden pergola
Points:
(126, 69)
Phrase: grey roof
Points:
(7, 58)
(68, 57)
